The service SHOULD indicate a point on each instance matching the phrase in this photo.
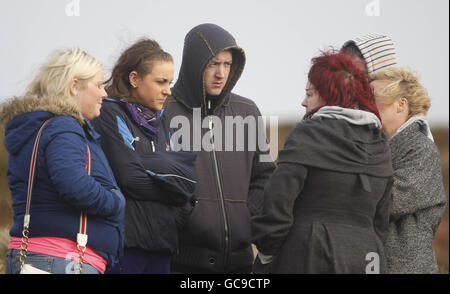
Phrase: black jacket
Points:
(327, 203)
(137, 163)
(217, 236)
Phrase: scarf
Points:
(146, 118)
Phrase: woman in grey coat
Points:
(418, 197)
(326, 206)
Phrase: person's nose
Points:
(104, 94)
(167, 91)
(220, 72)
(304, 103)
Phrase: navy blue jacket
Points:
(62, 187)
(156, 183)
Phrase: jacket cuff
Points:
(265, 259)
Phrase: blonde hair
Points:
(56, 75)
(402, 83)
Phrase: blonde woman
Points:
(68, 89)
(418, 198)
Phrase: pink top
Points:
(62, 248)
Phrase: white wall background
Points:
(280, 38)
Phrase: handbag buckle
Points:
(82, 239)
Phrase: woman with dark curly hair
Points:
(326, 205)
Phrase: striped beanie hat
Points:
(378, 51)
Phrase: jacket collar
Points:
(353, 116)
(57, 105)
(89, 129)
(424, 127)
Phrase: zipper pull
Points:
(211, 139)
(153, 146)
(135, 140)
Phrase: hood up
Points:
(201, 44)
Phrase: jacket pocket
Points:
(240, 230)
(204, 227)
(349, 249)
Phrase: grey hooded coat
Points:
(326, 206)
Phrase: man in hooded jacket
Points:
(215, 235)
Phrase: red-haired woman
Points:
(326, 205)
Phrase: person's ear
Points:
(134, 79)
(402, 105)
(74, 87)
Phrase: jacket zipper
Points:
(222, 200)
(153, 146)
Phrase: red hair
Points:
(340, 83)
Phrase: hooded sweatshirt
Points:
(217, 236)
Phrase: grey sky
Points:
(279, 38)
